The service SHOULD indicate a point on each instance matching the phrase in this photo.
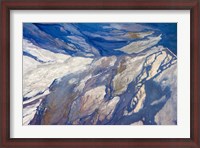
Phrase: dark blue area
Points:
(169, 34)
(55, 30)
(107, 48)
(91, 27)
(50, 35)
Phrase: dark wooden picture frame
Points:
(192, 5)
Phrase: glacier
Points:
(71, 78)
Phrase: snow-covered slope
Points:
(107, 90)
(41, 67)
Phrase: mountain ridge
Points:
(107, 73)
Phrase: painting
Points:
(99, 73)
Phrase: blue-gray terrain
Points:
(99, 74)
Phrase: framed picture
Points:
(100, 73)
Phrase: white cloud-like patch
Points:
(128, 27)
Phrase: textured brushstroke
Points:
(98, 74)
